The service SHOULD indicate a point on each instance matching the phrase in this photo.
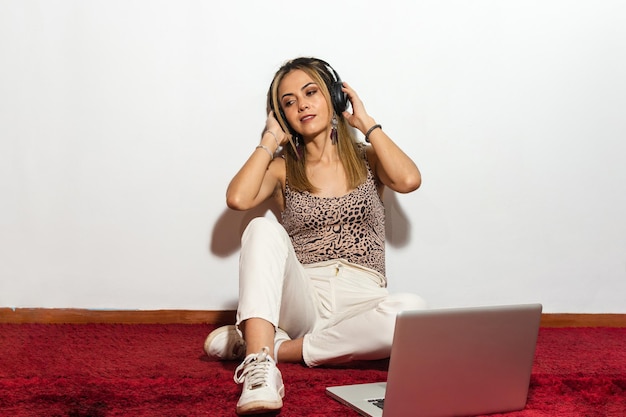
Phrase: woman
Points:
(313, 289)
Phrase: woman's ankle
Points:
(289, 351)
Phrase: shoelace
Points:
(254, 370)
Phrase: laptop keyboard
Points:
(378, 402)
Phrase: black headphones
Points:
(338, 98)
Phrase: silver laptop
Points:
(453, 362)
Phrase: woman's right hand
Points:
(273, 126)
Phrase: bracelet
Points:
(266, 150)
(275, 138)
(371, 129)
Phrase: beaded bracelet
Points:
(266, 150)
(371, 129)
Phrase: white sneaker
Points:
(263, 388)
(225, 343)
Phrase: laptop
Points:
(453, 362)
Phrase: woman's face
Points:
(303, 104)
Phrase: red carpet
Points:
(99, 370)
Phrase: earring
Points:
(333, 130)
(295, 145)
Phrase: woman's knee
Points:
(259, 225)
(262, 228)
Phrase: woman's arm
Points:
(261, 176)
(391, 165)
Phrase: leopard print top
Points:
(351, 227)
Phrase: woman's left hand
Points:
(359, 118)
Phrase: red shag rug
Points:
(98, 370)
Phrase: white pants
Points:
(343, 310)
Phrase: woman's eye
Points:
(288, 103)
(311, 92)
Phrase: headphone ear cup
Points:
(339, 98)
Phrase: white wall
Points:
(122, 122)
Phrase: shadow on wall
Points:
(226, 237)
(397, 224)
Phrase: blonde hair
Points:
(348, 148)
